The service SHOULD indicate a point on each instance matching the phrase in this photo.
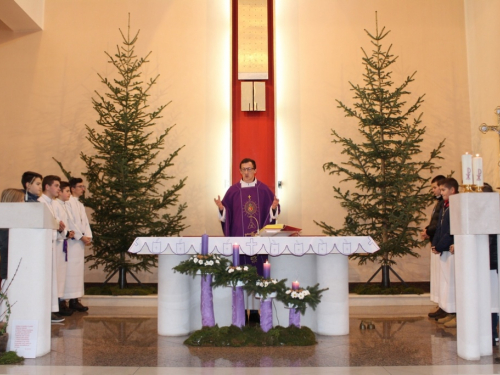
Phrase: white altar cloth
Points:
(179, 295)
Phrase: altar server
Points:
(62, 244)
(51, 187)
(32, 185)
(442, 245)
(74, 288)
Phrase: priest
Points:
(247, 207)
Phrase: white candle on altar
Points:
(467, 169)
(477, 169)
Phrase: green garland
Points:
(205, 264)
(266, 286)
(251, 336)
(299, 299)
(232, 275)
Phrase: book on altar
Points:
(279, 230)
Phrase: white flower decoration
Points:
(245, 268)
(294, 294)
(300, 295)
(217, 262)
(200, 261)
(266, 284)
(306, 292)
(288, 291)
(275, 281)
(230, 270)
(257, 283)
(238, 268)
(195, 260)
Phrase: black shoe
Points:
(435, 313)
(64, 310)
(441, 315)
(56, 318)
(74, 304)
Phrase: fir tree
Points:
(385, 166)
(128, 196)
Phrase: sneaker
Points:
(64, 310)
(452, 323)
(75, 304)
(446, 319)
(435, 313)
(56, 318)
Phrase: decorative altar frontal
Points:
(273, 246)
(311, 260)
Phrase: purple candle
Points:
(204, 244)
(236, 254)
(295, 285)
(267, 270)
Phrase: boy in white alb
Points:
(74, 288)
(62, 244)
(51, 186)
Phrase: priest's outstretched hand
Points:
(275, 204)
(219, 204)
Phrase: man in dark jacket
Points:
(442, 246)
(428, 234)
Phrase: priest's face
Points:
(248, 172)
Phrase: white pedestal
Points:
(472, 217)
(30, 247)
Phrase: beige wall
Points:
(49, 77)
(483, 30)
(318, 53)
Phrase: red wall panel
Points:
(253, 132)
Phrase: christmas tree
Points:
(390, 176)
(128, 194)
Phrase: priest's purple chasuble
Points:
(247, 211)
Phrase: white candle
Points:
(467, 169)
(477, 169)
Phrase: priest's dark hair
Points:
(73, 181)
(29, 177)
(49, 180)
(487, 188)
(248, 160)
(438, 179)
(64, 185)
(449, 183)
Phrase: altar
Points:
(309, 260)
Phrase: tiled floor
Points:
(107, 341)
